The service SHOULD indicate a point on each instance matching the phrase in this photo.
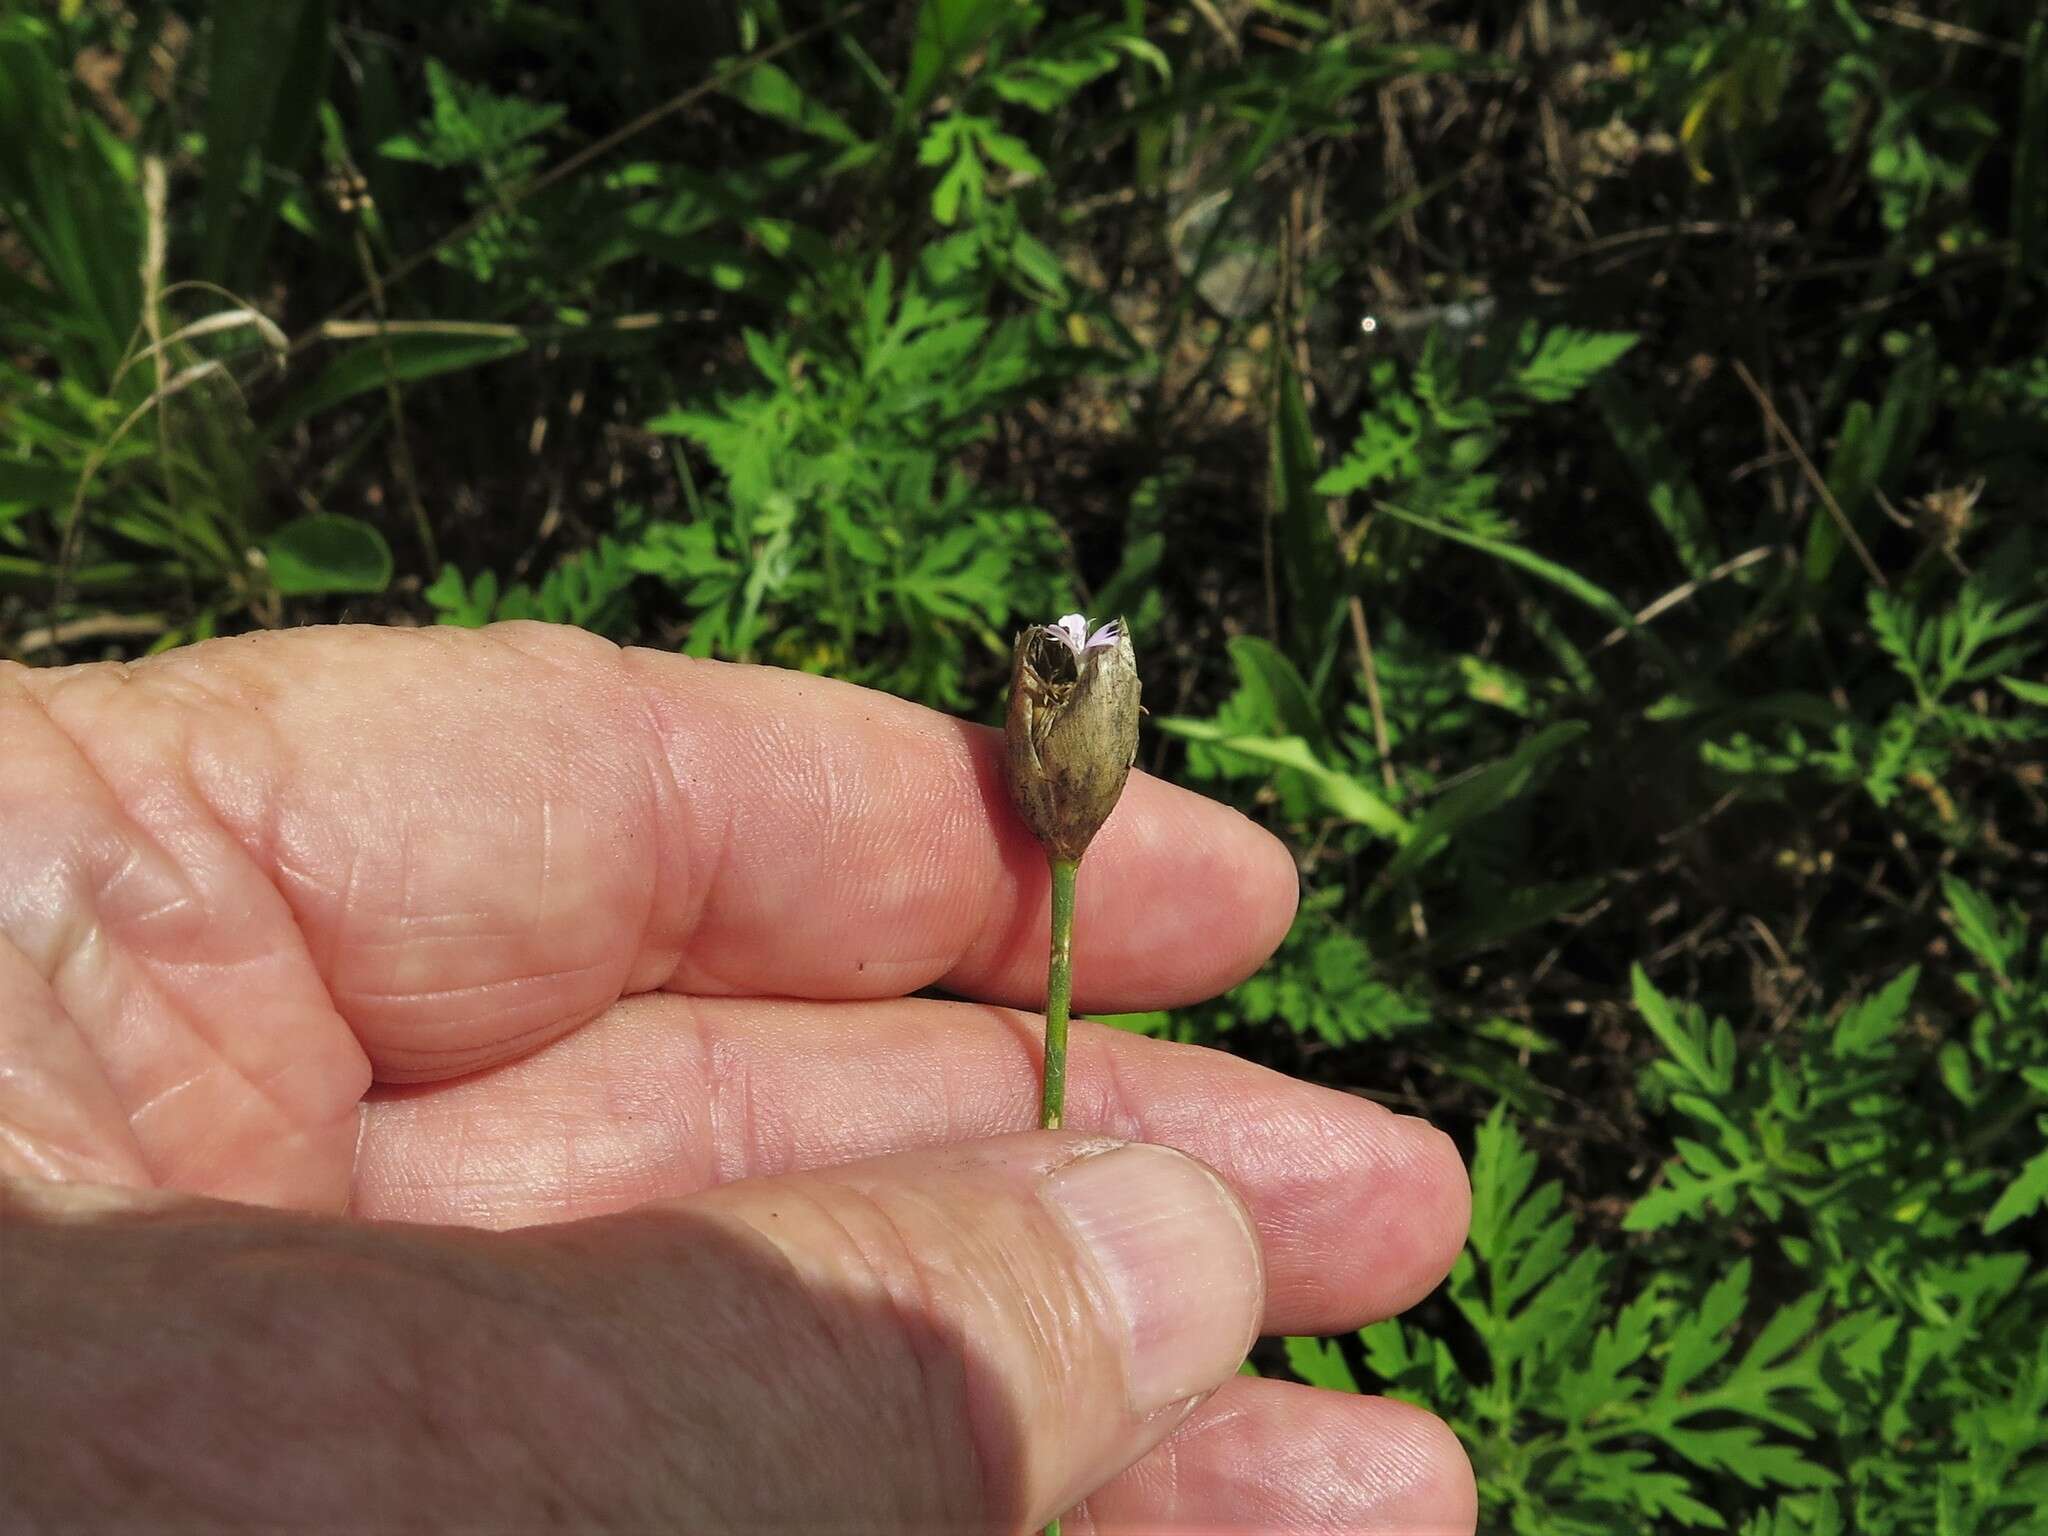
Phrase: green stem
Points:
(1059, 991)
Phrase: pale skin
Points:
(467, 1080)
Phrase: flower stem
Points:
(1059, 990)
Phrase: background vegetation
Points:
(1573, 468)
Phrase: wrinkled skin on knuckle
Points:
(160, 1021)
(234, 936)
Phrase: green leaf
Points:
(1870, 449)
(961, 183)
(1310, 566)
(1848, 479)
(1704, 1055)
(1565, 361)
(1343, 794)
(69, 191)
(1277, 689)
(1011, 153)
(1134, 583)
(1697, 1180)
(1789, 1326)
(1876, 1019)
(457, 603)
(1672, 493)
(2022, 1197)
(326, 552)
(947, 32)
(1503, 1168)
(768, 89)
(1592, 595)
(266, 75)
(244, 39)
(1701, 1339)
(1153, 1022)
(1320, 1363)
(1976, 922)
(1485, 792)
(41, 485)
(404, 358)
(1516, 911)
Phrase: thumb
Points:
(973, 1337)
(968, 1338)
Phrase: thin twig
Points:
(376, 330)
(209, 325)
(1679, 594)
(1697, 229)
(151, 278)
(394, 402)
(1361, 639)
(1208, 12)
(67, 542)
(154, 195)
(394, 397)
(101, 626)
(1947, 31)
(1820, 486)
(638, 320)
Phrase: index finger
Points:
(486, 837)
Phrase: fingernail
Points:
(1179, 1262)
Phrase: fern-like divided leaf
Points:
(1583, 1429)
(1564, 361)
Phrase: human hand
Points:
(331, 956)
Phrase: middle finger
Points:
(1360, 1211)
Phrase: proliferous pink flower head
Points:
(1073, 629)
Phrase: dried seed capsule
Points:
(1073, 729)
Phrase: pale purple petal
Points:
(1072, 628)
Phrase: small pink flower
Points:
(1073, 629)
